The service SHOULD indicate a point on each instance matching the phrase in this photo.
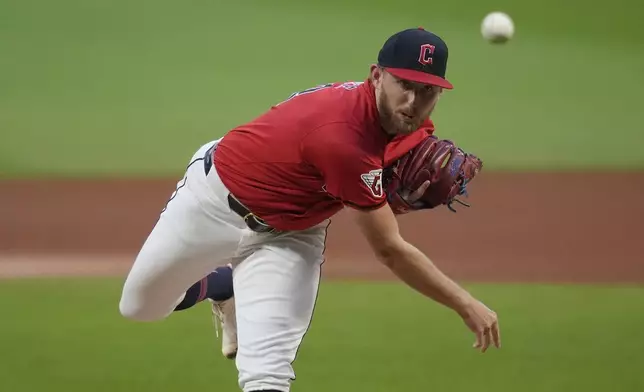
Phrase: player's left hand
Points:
(413, 197)
(446, 167)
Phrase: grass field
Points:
(133, 88)
(67, 335)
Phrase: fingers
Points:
(486, 340)
(496, 334)
(487, 335)
(479, 339)
(418, 193)
(485, 325)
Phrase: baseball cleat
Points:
(223, 315)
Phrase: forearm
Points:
(417, 271)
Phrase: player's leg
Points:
(275, 292)
(217, 287)
(195, 234)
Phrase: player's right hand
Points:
(483, 322)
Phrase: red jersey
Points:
(306, 158)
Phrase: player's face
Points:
(403, 105)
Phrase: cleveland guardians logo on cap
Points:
(416, 55)
(426, 52)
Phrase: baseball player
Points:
(252, 210)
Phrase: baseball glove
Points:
(432, 174)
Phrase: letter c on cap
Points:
(426, 52)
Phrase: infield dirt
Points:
(568, 228)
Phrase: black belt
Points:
(253, 222)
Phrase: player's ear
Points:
(376, 73)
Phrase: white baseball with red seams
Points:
(497, 27)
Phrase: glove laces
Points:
(462, 190)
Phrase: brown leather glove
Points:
(432, 174)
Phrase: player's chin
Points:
(407, 127)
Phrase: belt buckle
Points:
(257, 223)
(252, 221)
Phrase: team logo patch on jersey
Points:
(373, 181)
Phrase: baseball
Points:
(497, 27)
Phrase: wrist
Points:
(461, 302)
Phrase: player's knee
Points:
(132, 307)
(133, 311)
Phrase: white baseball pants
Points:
(276, 276)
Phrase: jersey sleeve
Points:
(351, 174)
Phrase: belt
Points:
(253, 222)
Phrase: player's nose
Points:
(410, 97)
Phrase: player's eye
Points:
(405, 84)
(432, 90)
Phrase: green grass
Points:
(67, 335)
(134, 87)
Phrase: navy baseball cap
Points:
(416, 55)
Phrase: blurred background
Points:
(102, 104)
